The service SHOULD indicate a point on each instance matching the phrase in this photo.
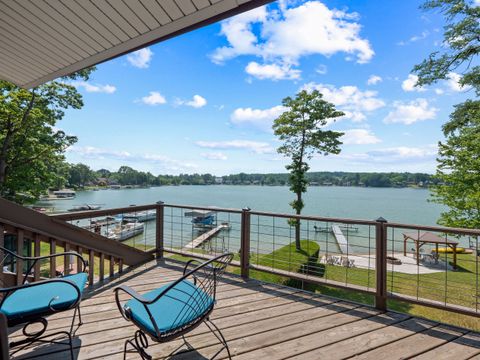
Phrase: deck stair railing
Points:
(33, 234)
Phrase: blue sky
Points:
(205, 101)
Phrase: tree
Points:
(301, 129)
(31, 148)
(459, 168)
(458, 163)
(80, 174)
(462, 45)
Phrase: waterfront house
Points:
(271, 303)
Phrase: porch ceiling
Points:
(42, 40)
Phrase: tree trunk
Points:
(297, 225)
(299, 194)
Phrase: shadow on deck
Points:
(262, 321)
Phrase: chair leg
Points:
(29, 340)
(187, 344)
(219, 336)
(71, 345)
(38, 336)
(80, 323)
(139, 343)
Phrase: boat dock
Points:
(341, 240)
(206, 236)
(98, 224)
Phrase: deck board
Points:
(262, 321)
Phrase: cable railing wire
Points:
(346, 258)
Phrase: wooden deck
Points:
(264, 321)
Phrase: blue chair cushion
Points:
(180, 306)
(36, 300)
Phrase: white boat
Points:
(140, 216)
(65, 194)
(125, 231)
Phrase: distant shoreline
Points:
(136, 187)
(82, 176)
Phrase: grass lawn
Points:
(45, 264)
(460, 284)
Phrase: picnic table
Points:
(421, 238)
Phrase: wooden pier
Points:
(100, 223)
(204, 237)
(341, 240)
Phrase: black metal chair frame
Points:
(205, 277)
(38, 336)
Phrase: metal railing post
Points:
(245, 243)
(159, 245)
(381, 264)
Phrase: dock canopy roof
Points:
(43, 40)
(199, 213)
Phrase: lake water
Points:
(405, 205)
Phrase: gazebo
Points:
(421, 238)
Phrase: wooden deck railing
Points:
(35, 234)
(382, 240)
(263, 242)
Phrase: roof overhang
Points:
(43, 40)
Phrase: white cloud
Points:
(253, 146)
(476, 2)
(404, 152)
(349, 99)
(165, 162)
(415, 38)
(239, 34)
(410, 112)
(196, 102)
(154, 98)
(290, 33)
(409, 84)
(453, 82)
(272, 71)
(374, 79)
(214, 156)
(394, 155)
(90, 152)
(140, 58)
(359, 137)
(258, 118)
(321, 69)
(439, 91)
(91, 88)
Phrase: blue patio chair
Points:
(176, 308)
(31, 303)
